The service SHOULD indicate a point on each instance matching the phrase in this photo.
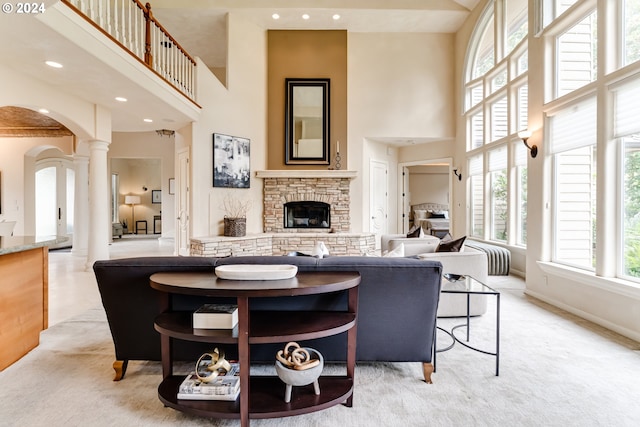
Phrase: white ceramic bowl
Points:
(298, 378)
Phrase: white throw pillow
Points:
(420, 214)
(398, 252)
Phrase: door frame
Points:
(385, 164)
(61, 165)
(183, 201)
(403, 211)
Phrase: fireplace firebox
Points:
(307, 214)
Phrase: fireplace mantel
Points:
(319, 173)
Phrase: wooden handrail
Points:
(149, 18)
(130, 28)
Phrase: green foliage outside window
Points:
(632, 214)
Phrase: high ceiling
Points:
(200, 27)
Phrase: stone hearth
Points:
(283, 243)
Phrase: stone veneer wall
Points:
(352, 244)
(281, 190)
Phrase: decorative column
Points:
(81, 206)
(98, 203)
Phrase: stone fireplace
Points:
(311, 188)
(302, 191)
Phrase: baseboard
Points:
(587, 316)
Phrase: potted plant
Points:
(235, 219)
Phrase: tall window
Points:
(627, 129)
(553, 8)
(576, 56)
(630, 260)
(595, 111)
(477, 196)
(631, 32)
(496, 98)
(521, 154)
(517, 27)
(573, 142)
(498, 192)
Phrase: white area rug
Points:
(556, 370)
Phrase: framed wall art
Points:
(156, 196)
(231, 161)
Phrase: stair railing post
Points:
(148, 57)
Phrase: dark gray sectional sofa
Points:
(398, 301)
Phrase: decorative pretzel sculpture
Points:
(295, 357)
(218, 363)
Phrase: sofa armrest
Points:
(470, 262)
(414, 245)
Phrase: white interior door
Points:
(378, 196)
(182, 196)
(54, 202)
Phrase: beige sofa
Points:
(469, 261)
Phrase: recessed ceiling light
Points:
(53, 64)
(44, 111)
(121, 99)
(148, 120)
(305, 16)
(275, 16)
(336, 17)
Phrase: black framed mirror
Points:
(307, 122)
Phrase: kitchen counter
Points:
(24, 294)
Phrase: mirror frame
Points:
(290, 158)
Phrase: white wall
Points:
(17, 165)
(400, 86)
(239, 110)
(19, 90)
(429, 184)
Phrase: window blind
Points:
(574, 127)
(498, 159)
(626, 113)
(521, 154)
(475, 165)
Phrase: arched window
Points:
(496, 105)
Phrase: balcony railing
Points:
(131, 25)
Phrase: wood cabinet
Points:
(23, 302)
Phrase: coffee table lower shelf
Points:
(266, 397)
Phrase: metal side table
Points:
(467, 285)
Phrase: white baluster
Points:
(108, 27)
(141, 33)
(100, 14)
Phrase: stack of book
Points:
(216, 316)
(226, 386)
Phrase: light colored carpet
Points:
(556, 370)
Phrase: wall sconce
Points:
(144, 187)
(458, 174)
(525, 135)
